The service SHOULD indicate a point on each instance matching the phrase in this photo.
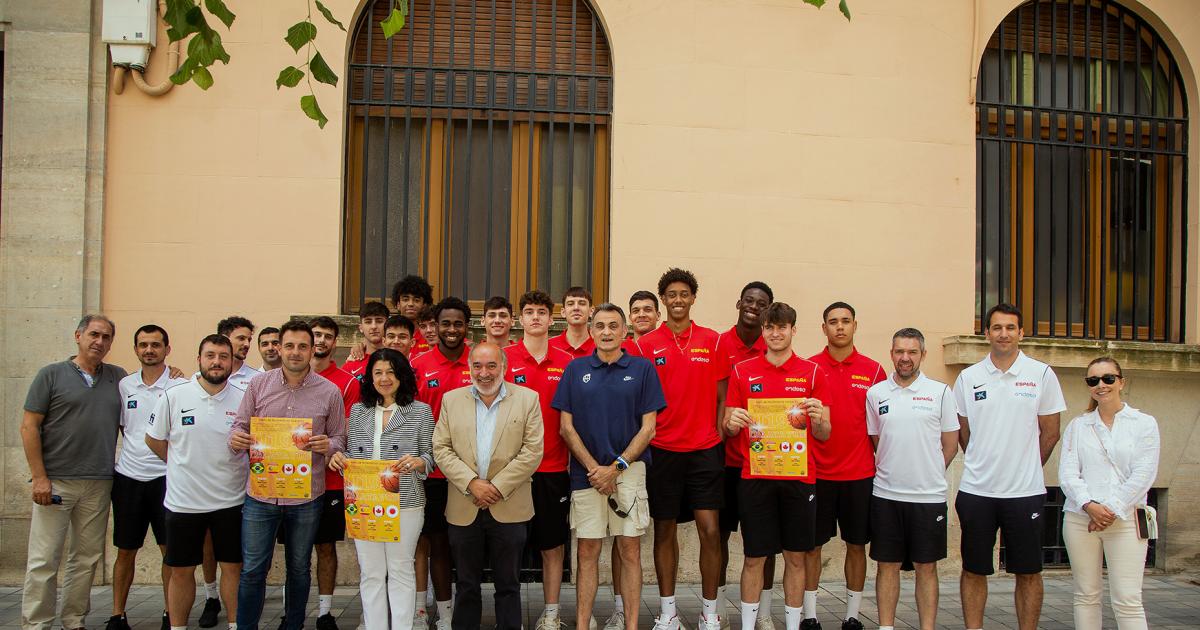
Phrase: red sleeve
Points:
(880, 374)
(635, 348)
(735, 395)
(351, 394)
(820, 389)
(721, 362)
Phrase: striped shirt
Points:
(409, 431)
(269, 396)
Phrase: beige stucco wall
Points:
(762, 139)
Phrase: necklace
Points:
(675, 337)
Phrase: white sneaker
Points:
(549, 622)
(616, 621)
(672, 623)
(421, 619)
(592, 623)
(764, 623)
(442, 624)
(712, 622)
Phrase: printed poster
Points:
(777, 447)
(372, 500)
(279, 469)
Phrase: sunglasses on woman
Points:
(1108, 379)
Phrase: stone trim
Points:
(1077, 353)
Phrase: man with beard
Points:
(139, 481)
(240, 332)
(740, 343)
(295, 391)
(913, 425)
(576, 340)
(441, 370)
(498, 320)
(268, 348)
(488, 443)
(189, 430)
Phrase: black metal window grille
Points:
(1081, 165)
(478, 149)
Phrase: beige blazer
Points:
(516, 453)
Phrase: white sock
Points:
(667, 605)
(887, 628)
(178, 627)
(283, 595)
(420, 601)
(445, 609)
(792, 617)
(232, 625)
(326, 604)
(749, 615)
(853, 600)
(551, 610)
(764, 604)
(810, 604)
(619, 604)
(710, 607)
(211, 591)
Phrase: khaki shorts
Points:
(591, 516)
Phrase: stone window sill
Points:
(1077, 353)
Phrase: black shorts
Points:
(729, 514)
(904, 532)
(845, 506)
(690, 479)
(436, 493)
(136, 506)
(777, 515)
(185, 536)
(1021, 521)
(332, 527)
(550, 526)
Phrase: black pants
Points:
(501, 544)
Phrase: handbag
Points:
(1145, 517)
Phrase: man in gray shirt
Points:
(69, 431)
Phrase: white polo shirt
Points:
(909, 421)
(203, 473)
(1003, 459)
(136, 460)
(241, 378)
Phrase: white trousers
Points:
(1126, 557)
(387, 581)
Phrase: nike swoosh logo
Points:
(428, 374)
(978, 386)
(660, 351)
(517, 369)
(185, 410)
(754, 378)
(131, 395)
(884, 401)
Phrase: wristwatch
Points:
(621, 464)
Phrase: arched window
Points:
(1081, 174)
(478, 149)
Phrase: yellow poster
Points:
(372, 500)
(279, 469)
(778, 436)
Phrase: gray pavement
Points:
(1172, 603)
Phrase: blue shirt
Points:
(485, 428)
(606, 402)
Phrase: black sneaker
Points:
(810, 624)
(166, 622)
(208, 618)
(326, 622)
(852, 624)
(282, 622)
(117, 622)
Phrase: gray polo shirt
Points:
(79, 433)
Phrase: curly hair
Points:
(675, 274)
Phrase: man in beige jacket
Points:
(488, 443)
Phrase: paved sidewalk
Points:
(1172, 603)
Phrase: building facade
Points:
(920, 162)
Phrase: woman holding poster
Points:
(389, 453)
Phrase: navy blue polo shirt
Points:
(606, 402)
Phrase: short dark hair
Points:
(269, 330)
(452, 304)
(215, 339)
(325, 321)
(1006, 309)
(780, 313)
(400, 321)
(374, 309)
(577, 292)
(425, 314)
(152, 328)
(909, 333)
(95, 317)
(229, 324)
(761, 286)
(537, 298)
(835, 306)
(296, 325)
(497, 302)
(412, 285)
(675, 274)
(609, 307)
(407, 379)
(643, 295)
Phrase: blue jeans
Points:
(260, 521)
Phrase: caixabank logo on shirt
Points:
(519, 379)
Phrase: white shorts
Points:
(592, 517)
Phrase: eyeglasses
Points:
(1108, 379)
(616, 508)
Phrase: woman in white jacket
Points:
(1109, 460)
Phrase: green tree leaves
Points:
(301, 34)
(308, 104)
(289, 77)
(842, 6)
(395, 20)
(184, 18)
